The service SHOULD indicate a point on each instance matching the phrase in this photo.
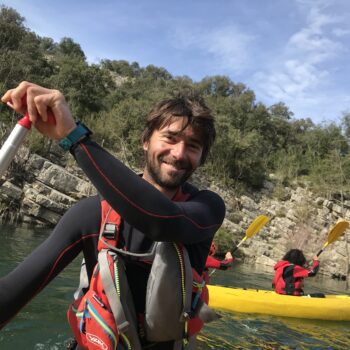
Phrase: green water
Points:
(42, 323)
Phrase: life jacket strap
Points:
(199, 287)
(111, 292)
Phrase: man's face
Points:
(172, 155)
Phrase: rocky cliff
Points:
(37, 191)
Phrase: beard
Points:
(168, 181)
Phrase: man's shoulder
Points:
(190, 189)
(206, 194)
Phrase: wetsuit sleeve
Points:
(302, 272)
(143, 206)
(77, 230)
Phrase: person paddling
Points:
(213, 263)
(290, 273)
(256, 225)
(132, 212)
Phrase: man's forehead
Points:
(180, 127)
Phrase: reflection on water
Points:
(242, 331)
(42, 324)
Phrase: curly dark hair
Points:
(295, 256)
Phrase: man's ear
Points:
(145, 145)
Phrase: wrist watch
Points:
(79, 133)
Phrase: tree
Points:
(86, 87)
(67, 47)
(12, 29)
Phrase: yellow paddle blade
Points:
(256, 225)
(337, 231)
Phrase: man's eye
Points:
(195, 146)
(170, 138)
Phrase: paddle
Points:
(337, 231)
(16, 138)
(253, 229)
(258, 223)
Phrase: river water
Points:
(42, 323)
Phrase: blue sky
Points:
(295, 51)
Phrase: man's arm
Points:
(143, 206)
(213, 263)
(67, 240)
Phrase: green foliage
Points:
(224, 240)
(330, 175)
(114, 97)
(67, 47)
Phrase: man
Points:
(176, 140)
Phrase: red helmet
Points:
(212, 249)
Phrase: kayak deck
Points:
(332, 307)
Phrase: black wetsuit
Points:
(143, 209)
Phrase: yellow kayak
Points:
(332, 307)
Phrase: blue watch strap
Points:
(80, 132)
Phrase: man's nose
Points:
(179, 150)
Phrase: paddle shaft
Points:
(12, 143)
(324, 246)
(10, 147)
(239, 244)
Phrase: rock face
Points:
(38, 192)
(299, 220)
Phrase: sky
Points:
(291, 51)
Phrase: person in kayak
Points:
(290, 273)
(213, 263)
(157, 206)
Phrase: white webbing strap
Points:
(118, 310)
(111, 292)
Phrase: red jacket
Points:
(213, 263)
(289, 278)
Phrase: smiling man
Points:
(174, 142)
(159, 206)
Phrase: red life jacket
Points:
(105, 318)
(284, 281)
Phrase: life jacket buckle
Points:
(110, 231)
(187, 315)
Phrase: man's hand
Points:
(39, 100)
(228, 256)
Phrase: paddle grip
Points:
(50, 117)
(319, 253)
(10, 147)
